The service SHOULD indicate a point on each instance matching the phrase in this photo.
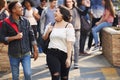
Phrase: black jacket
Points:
(18, 48)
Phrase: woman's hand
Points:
(46, 35)
(68, 62)
(96, 23)
(50, 29)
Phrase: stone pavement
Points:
(93, 67)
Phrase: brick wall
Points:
(4, 60)
(111, 45)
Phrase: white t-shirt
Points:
(30, 17)
(97, 11)
(60, 36)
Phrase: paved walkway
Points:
(94, 67)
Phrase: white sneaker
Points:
(97, 53)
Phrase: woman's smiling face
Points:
(58, 15)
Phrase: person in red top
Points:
(3, 12)
(106, 21)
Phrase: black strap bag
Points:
(85, 25)
(45, 43)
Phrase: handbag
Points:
(45, 43)
(85, 25)
(12, 25)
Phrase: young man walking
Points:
(18, 39)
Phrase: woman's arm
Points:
(69, 53)
(100, 21)
(70, 42)
(47, 32)
(36, 16)
(104, 18)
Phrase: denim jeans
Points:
(76, 47)
(15, 63)
(97, 28)
(90, 39)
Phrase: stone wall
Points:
(4, 60)
(111, 45)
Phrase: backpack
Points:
(85, 25)
(44, 44)
(1, 23)
(13, 25)
(115, 22)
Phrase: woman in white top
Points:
(62, 38)
(31, 13)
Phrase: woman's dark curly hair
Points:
(30, 1)
(65, 13)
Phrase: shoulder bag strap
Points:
(66, 25)
(13, 25)
(52, 24)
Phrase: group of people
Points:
(67, 36)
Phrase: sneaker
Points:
(96, 52)
(96, 48)
(76, 66)
(100, 48)
(93, 44)
(84, 54)
(88, 49)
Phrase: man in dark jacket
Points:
(18, 42)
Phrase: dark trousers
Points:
(90, 39)
(83, 37)
(56, 63)
(34, 27)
